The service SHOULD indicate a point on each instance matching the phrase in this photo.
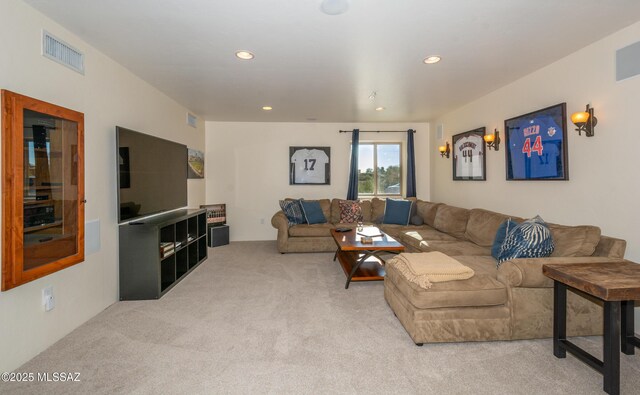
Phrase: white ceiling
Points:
(313, 66)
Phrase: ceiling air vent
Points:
(61, 52)
(192, 120)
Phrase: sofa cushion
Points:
(452, 220)
(396, 231)
(365, 208)
(350, 211)
(483, 225)
(529, 239)
(293, 210)
(416, 220)
(313, 212)
(574, 240)
(315, 230)
(335, 211)
(483, 289)
(422, 234)
(427, 211)
(453, 248)
(377, 210)
(325, 204)
(397, 211)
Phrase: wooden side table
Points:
(617, 284)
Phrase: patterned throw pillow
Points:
(293, 210)
(501, 234)
(529, 239)
(350, 211)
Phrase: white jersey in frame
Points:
(309, 166)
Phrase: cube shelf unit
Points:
(156, 253)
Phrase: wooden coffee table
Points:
(363, 262)
(617, 284)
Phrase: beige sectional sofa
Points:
(514, 301)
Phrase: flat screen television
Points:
(152, 174)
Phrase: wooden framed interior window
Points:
(42, 188)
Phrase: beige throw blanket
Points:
(425, 268)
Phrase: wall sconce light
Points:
(444, 150)
(585, 121)
(493, 140)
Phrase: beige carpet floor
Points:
(250, 320)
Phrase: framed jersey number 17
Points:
(309, 165)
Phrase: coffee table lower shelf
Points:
(371, 269)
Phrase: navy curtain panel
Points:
(352, 192)
(411, 165)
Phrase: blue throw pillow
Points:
(313, 212)
(502, 232)
(293, 210)
(397, 211)
(529, 239)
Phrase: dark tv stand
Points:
(156, 253)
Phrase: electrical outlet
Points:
(48, 301)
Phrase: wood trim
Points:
(8, 189)
(14, 272)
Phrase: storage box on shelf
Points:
(156, 253)
(216, 214)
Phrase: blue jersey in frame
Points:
(535, 146)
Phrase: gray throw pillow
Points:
(416, 220)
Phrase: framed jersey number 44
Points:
(309, 165)
(537, 145)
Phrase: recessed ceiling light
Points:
(267, 108)
(244, 55)
(431, 59)
(379, 108)
(334, 7)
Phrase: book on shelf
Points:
(166, 254)
(166, 245)
(166, 248)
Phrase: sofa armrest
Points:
(527, 272)
(280, 222)
(610, 247)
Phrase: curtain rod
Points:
(376, 131)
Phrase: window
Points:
(379, 169)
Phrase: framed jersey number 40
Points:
(536, 145)
(309, 165)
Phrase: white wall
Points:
(604, 184)
(108, 95)
(247, 166)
